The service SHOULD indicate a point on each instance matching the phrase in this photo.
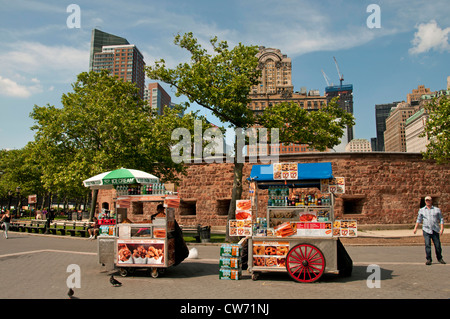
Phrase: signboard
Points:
(285, 171)
(244, 209)
(140, 252)
(32, 199)
(240, 227)
(335, 185)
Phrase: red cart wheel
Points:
(305, 263)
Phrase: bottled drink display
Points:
(280, 196)
(150, 189)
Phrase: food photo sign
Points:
(283, 171)
(242, 225)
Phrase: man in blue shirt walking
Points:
(432, 227)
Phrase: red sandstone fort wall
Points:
(380, 188)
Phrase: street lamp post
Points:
(18, 189)
(9, 199)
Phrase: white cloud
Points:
(34, 56)
(430, 36)
(22, 62)
(11, 88)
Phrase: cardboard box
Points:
(230, 250)
(230, 262)
(230, 274)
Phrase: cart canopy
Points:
(307, 174)
(122, 176)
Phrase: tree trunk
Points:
(93, 204)
(235, 195)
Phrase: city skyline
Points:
(41, 53)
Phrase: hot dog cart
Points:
(299, 234)
(148, 244)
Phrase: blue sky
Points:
(40, 56)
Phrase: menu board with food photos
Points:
(345, 228)
(270, 253)
(244, 209)
(314, 229)
(283, 171)
(240, 227)
(335, 185)
(138, 252)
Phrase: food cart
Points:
(149, 244)
(299, 234)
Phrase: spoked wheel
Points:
(305, 263)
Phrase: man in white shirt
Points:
(432, 227)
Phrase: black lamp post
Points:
(9, 199)
(18, 189)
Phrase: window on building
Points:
(188, 208)
(353, 205)
(222, 206)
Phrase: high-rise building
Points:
(157, 97)
(345, 102)
(100, 39)
(382, 112)
(394, 136)
(122, 60)
(414, 97)
(358, 145)
(276, 87)
(414, 127)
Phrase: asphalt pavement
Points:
(43, 266)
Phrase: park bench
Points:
(80, 229)
(54, 228)
(17, 225)
(14, 226)
(35, 226)
(21, 226)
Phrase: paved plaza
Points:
(37, 267)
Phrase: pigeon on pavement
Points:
(70, 293)
(115, 282)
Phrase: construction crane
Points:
(341, 76)
(326, 78)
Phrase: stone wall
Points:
(381, 188)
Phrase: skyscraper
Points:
(100, 39)
(157, 97)
(276, 87)
(345, 102)
(122, 60)
(394, 136)
(382, 112)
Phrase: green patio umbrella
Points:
(122, 176)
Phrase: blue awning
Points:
(306, 171)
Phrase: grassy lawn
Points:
(215, 238)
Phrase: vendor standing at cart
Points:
(181, 249)
(160, 212)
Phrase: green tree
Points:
(221, 83)
(437, 129)
(19, 169)
(102, 125)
